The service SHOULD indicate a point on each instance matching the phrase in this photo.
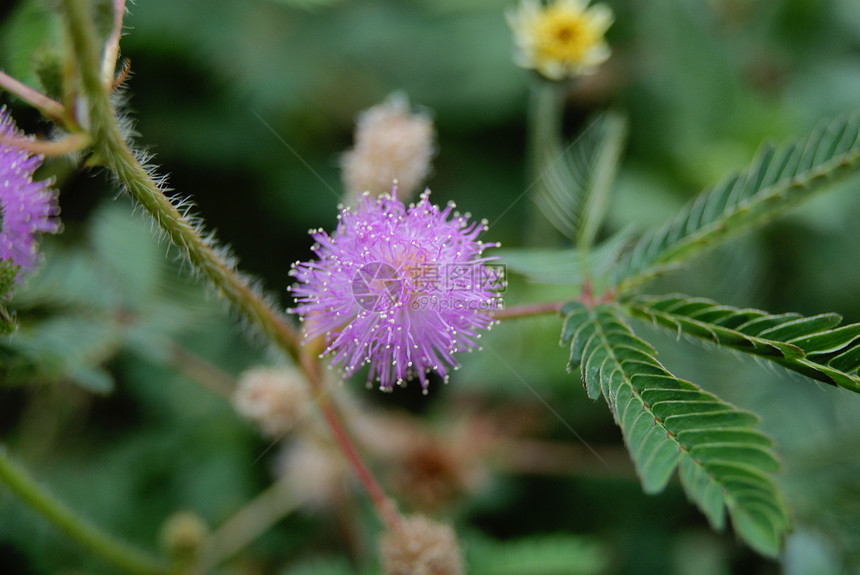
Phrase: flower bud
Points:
(183, 535)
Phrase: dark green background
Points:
(703, 83)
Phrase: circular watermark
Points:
(376, 286)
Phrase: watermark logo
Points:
(458, 277)
(446, 303)
(377, 286)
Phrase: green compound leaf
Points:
(575, 181)
(777, 179)
(669, 423)
(70, 349)
(818, 347)
(86, 305)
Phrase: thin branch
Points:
(386, 508)
(252, 520)
(110, 145)
(383, 505)
(100, 542)
(68, 145)
(52, 109)
(528, 310)
(203, 372)
(112, 45)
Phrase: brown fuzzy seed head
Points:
(391, 143)
(421, 547)
(316, 473)
(274, 399)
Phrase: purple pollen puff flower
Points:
(401, 289)
(26, 207)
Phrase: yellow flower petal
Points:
(562, 39)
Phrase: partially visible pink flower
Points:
(26, 207)
(401, 289)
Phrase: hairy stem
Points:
(100, 542)
(111, 147)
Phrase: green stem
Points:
(103, 544)
(546, 113)
(111, 147)
(251, 521)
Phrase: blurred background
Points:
(110, 389)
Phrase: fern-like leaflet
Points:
(669, 423)
(817, 346)
(575, 181)
(776, 179)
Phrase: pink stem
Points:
(73, 143)
(52, 109)
(112, 44)
(527, 310)
(384, 506)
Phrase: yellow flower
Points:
(562, 39)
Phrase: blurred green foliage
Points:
(247, 106)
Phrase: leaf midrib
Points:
(727, 496)
(727, 225)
